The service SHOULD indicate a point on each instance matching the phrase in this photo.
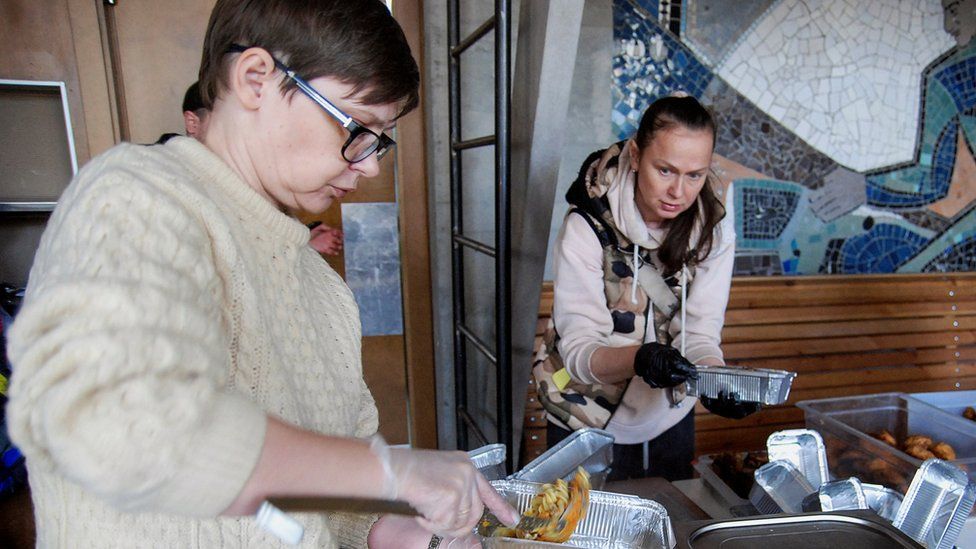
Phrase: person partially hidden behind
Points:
(182, 354)
(643, 266)
(195, 115)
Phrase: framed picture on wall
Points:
(37, 147)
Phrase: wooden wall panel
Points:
(38, 45)
(385, 370)
(844, 336)
(159, 47)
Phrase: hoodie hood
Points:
(604, 189)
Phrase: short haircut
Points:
(191, 99)
(354, 41)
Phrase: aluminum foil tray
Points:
(591, 449)
(612, 521)
(805, 449)
(860, 529)
(937, 504)
(841, 495)
(883, 501)
(490, 460)
(780, 488)
(750, 384)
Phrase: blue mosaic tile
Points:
(960, 80)
(650, 63)
(933, 183)
(763, 208)
(815, 214)
(950, 93)
(959, 257)
(881, 250)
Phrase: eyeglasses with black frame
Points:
(361, 142)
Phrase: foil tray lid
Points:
(841, 495)
(882, 500)
(861, 529)
(591, 449)
(937, 504)
(490, 460)
(780, 487)
(805, 449)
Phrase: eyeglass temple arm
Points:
(346, 121)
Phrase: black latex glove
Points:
(662, 366)
(729, 405)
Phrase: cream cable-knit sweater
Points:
(169, 309)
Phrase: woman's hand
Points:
(325, 239)
(662, 366)
(447, 490)
(728, 405)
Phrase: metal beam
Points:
(548, 36)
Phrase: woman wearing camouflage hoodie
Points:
(648, 205)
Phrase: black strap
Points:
(606, 238)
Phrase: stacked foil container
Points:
(797, 479)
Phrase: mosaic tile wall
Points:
(846, 126)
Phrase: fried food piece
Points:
(919, 451)
(943, 450)
(738, 469)
(887, 438)
(562, 504)
(969, 413)
(881, 472)
(918, 440)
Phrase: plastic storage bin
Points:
(847, 425)
(953, 402)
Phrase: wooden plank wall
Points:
(843, 335)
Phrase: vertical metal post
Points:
(457, 252)
(503, 200)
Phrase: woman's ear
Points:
(252, 77)
(634, 155)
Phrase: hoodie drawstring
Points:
(634, 268)
(684, 301)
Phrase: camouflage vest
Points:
(576, 405)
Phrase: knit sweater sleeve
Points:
(352, 529)
(119, 352)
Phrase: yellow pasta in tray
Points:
(561, 505)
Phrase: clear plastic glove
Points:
(662, 366)
(444, 486)
(729, 405)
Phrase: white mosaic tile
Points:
(836, 72)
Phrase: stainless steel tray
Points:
(591, 449)
(613, 520)
(490, 460)
(860, 529)
(750, 384)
